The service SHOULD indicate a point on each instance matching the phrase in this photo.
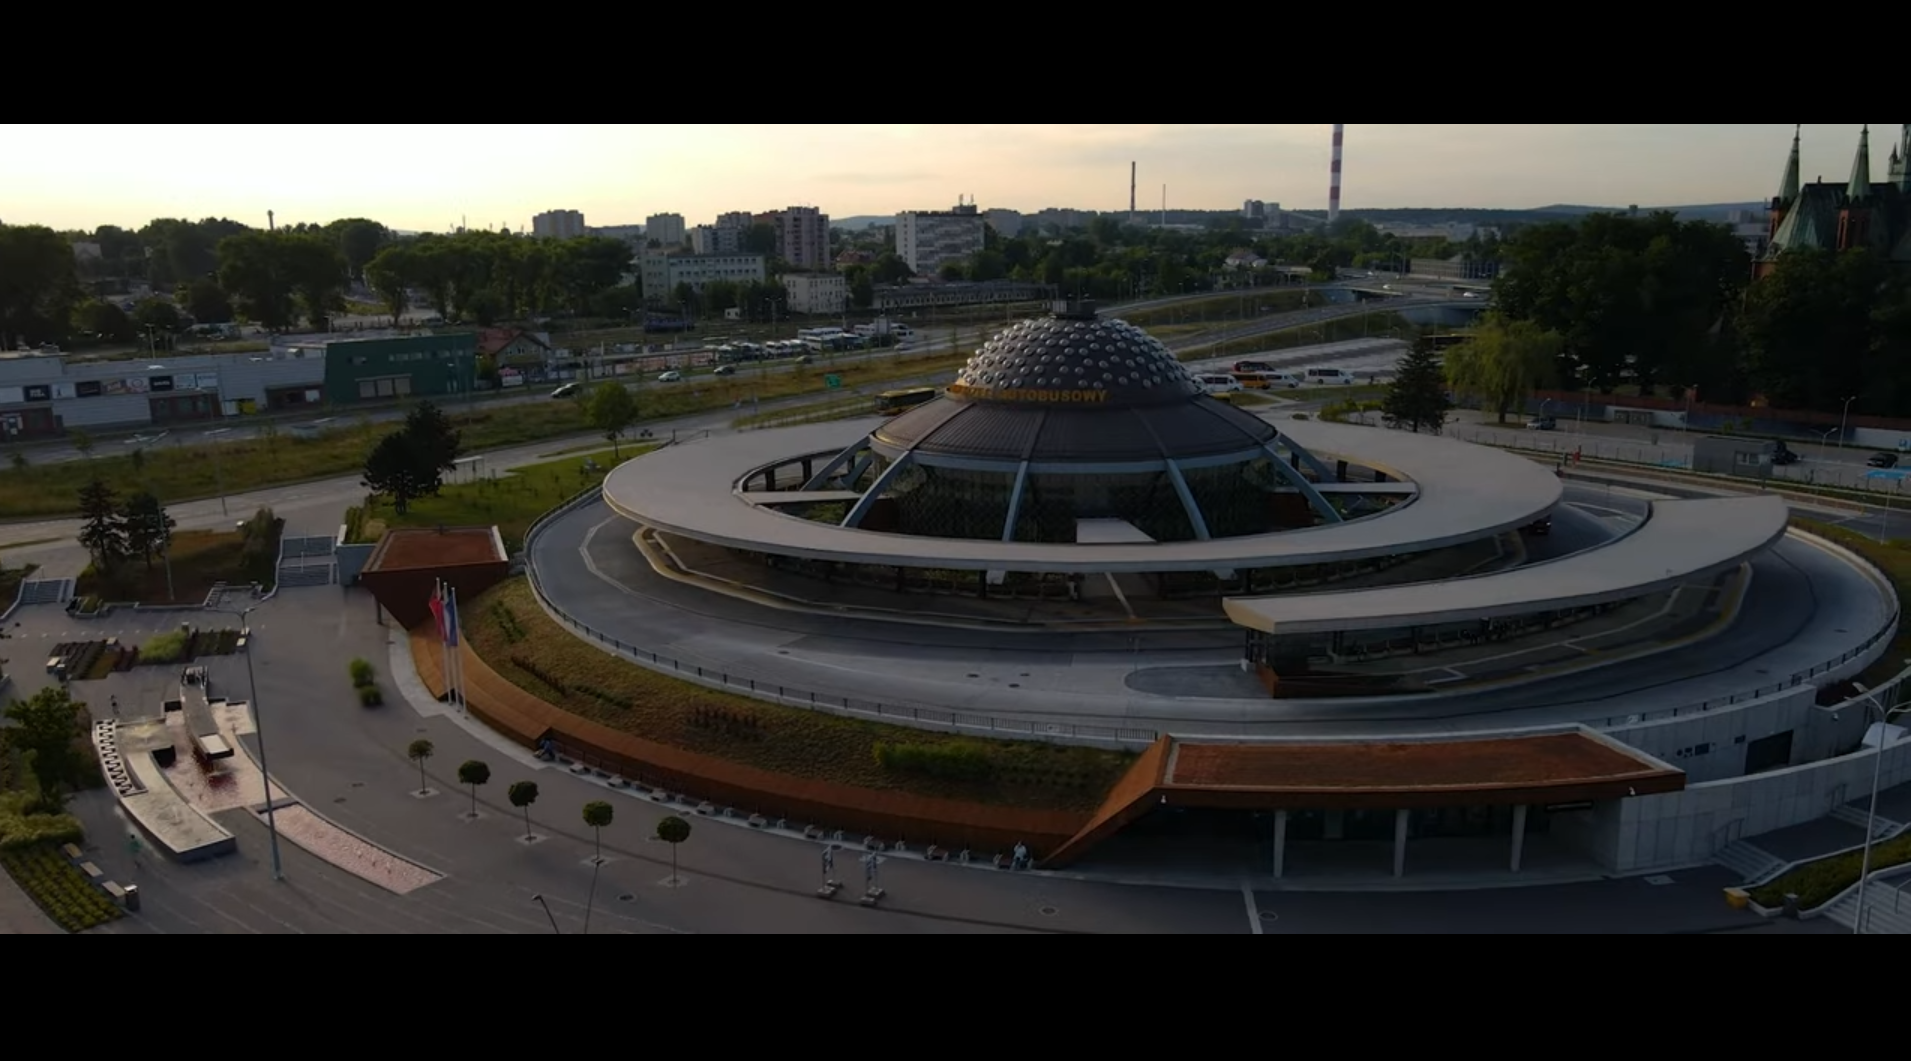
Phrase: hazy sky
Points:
(426, 177)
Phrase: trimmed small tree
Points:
(599, 817)
(523, 795)
(421, 752)
(472, 775)
(673, 831)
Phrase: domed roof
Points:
(1075, 360)
(1072, 389)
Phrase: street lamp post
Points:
(1885, 715)
(539, 899)
(258, 727)
(1844, 423)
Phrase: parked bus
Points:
(896, 403)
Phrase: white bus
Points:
(1330, 377)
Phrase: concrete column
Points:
(1519, 837)
(1402, 821)
(1280, 845)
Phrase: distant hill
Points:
(857, 224)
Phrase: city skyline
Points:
(422, 177)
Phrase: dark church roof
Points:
(1073, 389)
(1811, 212)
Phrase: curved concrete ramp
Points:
(1679, 541)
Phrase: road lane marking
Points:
(1255, 924)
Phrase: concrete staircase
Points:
(1754, 864)
(52, 591)
(1860, 817)
(291, 576)
(1886, 913)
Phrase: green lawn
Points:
(511, 502)
(515, 636)
(183, 473)
(1218, 311)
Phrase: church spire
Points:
(1860, 189)
(1788, 190)
(1904, 162)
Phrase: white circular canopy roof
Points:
(1466, 493)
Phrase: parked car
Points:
(1883, 461)
(1542, 423)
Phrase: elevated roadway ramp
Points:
(1679, 541)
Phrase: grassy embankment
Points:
(184, 472)
(1822, 882)
(511, 502)
(515, 636)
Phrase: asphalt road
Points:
(348, 765)
(586, 562)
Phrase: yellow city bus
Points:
(896, 403)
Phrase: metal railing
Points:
(1676, 453)
(1796, 681)
(923, 717)
(916, 716)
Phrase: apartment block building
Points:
(817, 294)
(928, 240)
(802, 237)
(558, 224)
(664, 273)
(667, 229)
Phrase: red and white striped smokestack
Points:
(1333, 194)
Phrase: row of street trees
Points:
(487, 277)
(598, 815)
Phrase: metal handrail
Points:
(962, 723)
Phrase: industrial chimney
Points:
(1333, 193)
(271, 221)
(1134, 189)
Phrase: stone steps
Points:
(52, 591)
(1885, 913)
(1861, 817)
(1754, 864)
(307, 575)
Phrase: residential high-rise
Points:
(1333, 193)
(558, 224)
(667, 229)
(802, 237)
(927, 241)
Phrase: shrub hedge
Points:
(59, 888)
(957, 761)
(165, 649)
(20, 829)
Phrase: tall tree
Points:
(274, 274)
(1417, 399)
(474, 775)
(1503, 362)
(148, 528)
(1825, 328)
(205, 301)
(39, 286)
(102, 529)
(523, 796)
(49, 728)
(358, 242)
(391, 275)
(411, 463)
(421, 752)
(612, 410)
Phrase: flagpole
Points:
(455, 626)
(444, 644)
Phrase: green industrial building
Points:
(414, 366)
